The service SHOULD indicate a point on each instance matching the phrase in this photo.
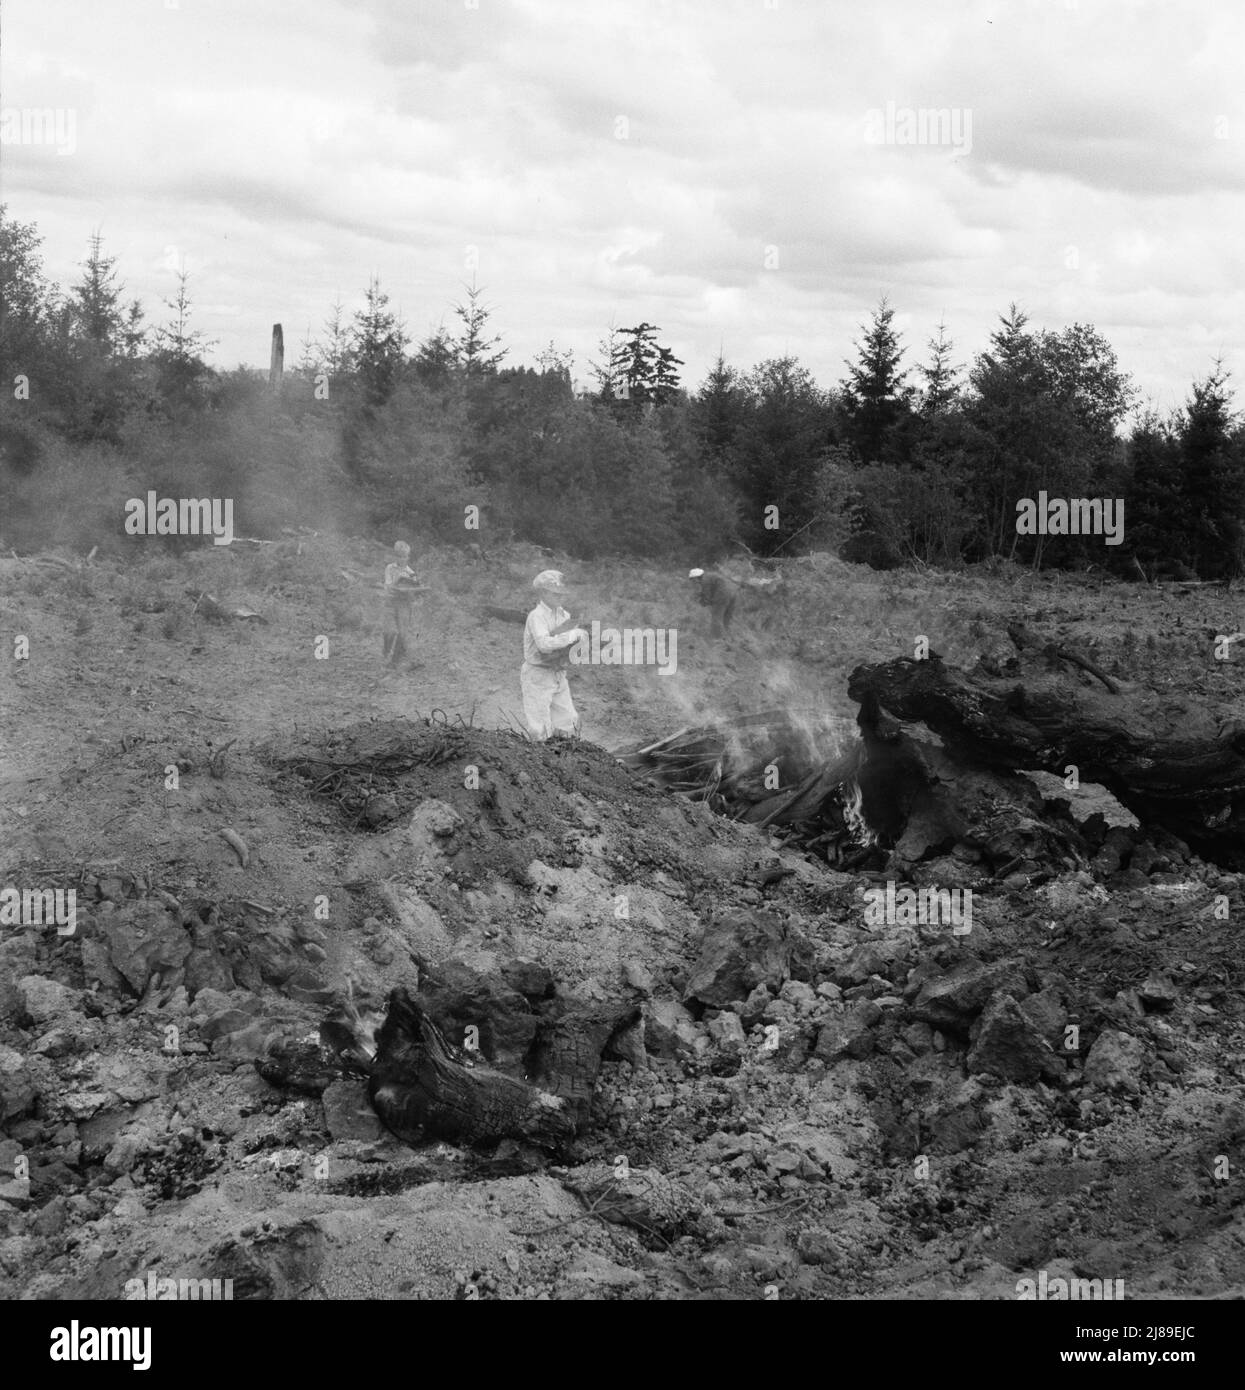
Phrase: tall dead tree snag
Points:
(276, 362)
(1170, 762)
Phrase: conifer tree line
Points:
(912, 455)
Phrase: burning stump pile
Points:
(950, 779)
(780, 769)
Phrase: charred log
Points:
(421, 1088)
(1168, 761)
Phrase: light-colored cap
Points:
(694, 574)
(550, 580)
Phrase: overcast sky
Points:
(747, 174)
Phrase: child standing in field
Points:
(398, 602)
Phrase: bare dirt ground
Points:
(837, 1131)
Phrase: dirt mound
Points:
(815, 1099)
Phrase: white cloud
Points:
(291, 149)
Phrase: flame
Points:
(854, 814)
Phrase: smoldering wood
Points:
(957, 784)
(1172, 763)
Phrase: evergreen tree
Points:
(941, 389)
(875, 400)
(1041, 416)
(641, 371)
(717, 412)
(182, 373)
(1212, 474)
(436, 360)
(560, 361)
(378, 343)
(473, 350)
(32, 319)
(606, 370)
(98, 316)
(779, 448)
(1156, 527)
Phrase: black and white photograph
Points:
(622, 667)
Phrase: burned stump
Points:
(960, 788)
(1170, 762)
(530, 1076)
(421, 1090)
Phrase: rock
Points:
(210, 1001)
(752, 1010)
(52, 1218)
(864, 961)
(144, 941)
(727, 1033)
(206, 967)
(533, 980)
(81, 1105)
(18, 1091)
(670, 1030)
(1116, 847)
(591, 1268)
(47, 1001)
(380, 809)
(1008, 1044)
(829, 990)
(15, 1191)
(638, 977)
(848, 1036)
(728, 1146)
(627, 1045)
(783, 1161)
(131, 1207)
(950, 1002)
(800, 995)
(1115, 1063)
(97, 966)
(58, 1042)
(818, 1247)
(1159, 993)
(738, 952)
(419, 925)
(126, 1151)
(308, 986)
(348, 1113)
(1048, 1012)
(954, 1125)
(434, 818)
(133, 1078)
(919, 1037)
